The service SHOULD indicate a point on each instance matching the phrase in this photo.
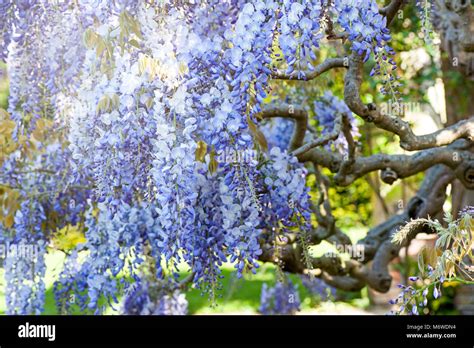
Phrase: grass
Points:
(238, 295)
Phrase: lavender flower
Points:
(145, 298)
(283, 298)
(326, 110)
(318, 287)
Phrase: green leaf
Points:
(421, 260)
(201, 151)
(90, 38)
(134, 43)
(213, 164)
(100, 48)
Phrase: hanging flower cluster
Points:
(366, 27)
(282, 299)
(300, 32)
(318, 288)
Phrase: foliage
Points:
(451, 261)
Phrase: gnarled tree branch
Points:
(408, 140)
(328, 64)
(299, 115)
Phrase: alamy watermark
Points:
(230, 155)
(23, 250)
(28, 330)
(355, 251)
(398, 108)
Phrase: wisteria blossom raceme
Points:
(367, 29)
(25, 265)
(431, 17)
(287, 200)
(300, 32)
(6, 20)
(282, 299)
(71, 284)
(317, 288)
(26, 231)
(42, 32)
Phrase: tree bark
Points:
(459, 97)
